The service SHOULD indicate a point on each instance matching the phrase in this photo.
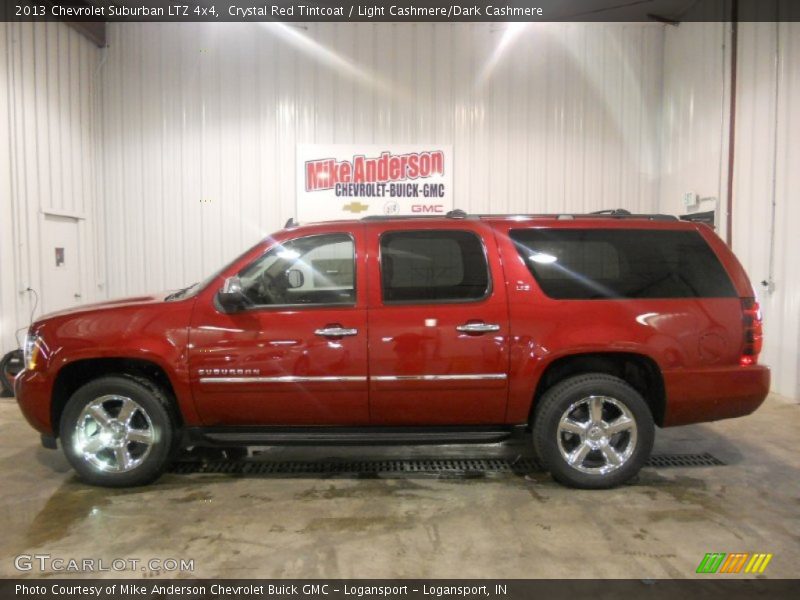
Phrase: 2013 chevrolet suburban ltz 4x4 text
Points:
(586, 330)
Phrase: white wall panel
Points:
(46, 156)
(765, 174)
(695, 125)
(695, 156)
(200, 124)
(177, 143)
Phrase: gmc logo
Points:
(427, 208)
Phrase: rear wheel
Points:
(593, 431)
(118, 431)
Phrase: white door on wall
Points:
(62, 265)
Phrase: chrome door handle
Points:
(335, 332)
(478, 327)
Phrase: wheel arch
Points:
(638, 370)
(77, 373)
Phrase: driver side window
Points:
(313, 270)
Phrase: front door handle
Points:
(336, 331)
(478, 327)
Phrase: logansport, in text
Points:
(225, 590)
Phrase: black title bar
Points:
(662, 11)
(403, 589)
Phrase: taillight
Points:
(753, 332)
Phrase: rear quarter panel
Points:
(679, 335)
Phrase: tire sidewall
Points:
(163, 430)
(557, 400)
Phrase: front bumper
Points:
(33, 391)
(710, 394)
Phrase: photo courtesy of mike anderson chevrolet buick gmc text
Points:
(583, 332)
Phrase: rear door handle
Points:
(478, 327)
(336, 331)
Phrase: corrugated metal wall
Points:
(46, 155)
(696, 105)
(767, 155)
(198, 126)
(566, 119)
(766, 171)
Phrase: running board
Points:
(348, 436)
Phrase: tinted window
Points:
(622, 263)
(433, 266)
(318, 269)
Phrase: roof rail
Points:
(616, 213)
(398, 217)
(612, 212)
(456, 213)
(606, 214)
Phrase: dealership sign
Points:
(344, 181)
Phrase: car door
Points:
(438, 324)
(297, 355)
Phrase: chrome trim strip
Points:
(477, 377)
(280, 379)
(333, 379)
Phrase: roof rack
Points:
(611, 213)
(456, 213)
(398, 217)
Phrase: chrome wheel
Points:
(114, 434)
(597, 435)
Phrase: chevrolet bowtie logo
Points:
(355, 207)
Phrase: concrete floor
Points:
(503, 526)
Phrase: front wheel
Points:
(593, 431)
(118, 431)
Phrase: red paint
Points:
(697, 344)
(401, 343)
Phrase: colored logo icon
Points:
(737, 562)
(355, 207)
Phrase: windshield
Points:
(195, 288)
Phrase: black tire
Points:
(153, 412)
(10, 366)
(634, 443)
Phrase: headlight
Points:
(31, 351)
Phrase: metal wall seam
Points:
(559, 135)
(47, 84)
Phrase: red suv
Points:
(586, 330)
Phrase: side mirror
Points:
(231, 297)
(295, 278)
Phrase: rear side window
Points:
(433, 266)
(591, 264)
